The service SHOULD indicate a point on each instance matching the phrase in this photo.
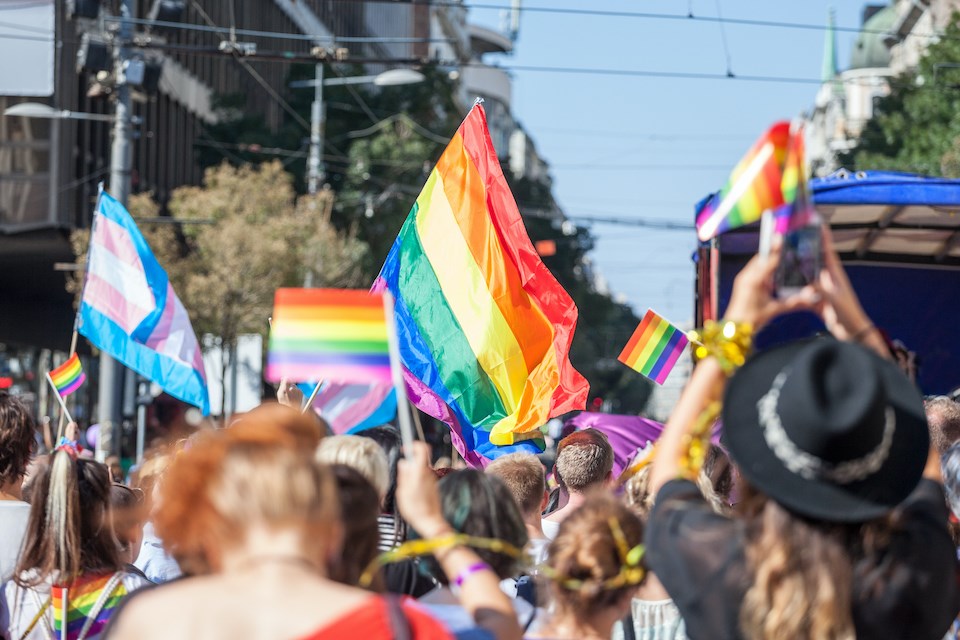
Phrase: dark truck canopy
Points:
(899, 237)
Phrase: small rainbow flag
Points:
(755, 186)
(654, 347)
(68, 377)
(328, 334)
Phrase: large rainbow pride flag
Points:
(484, 328)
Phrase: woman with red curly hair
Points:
(256, 522)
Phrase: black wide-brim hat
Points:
(859, 439)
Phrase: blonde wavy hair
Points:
(802, 575)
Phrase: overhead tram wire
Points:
(277, 35)
(643, 15)
(649, 15)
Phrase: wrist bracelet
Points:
(469, 571)
(727, 341)
(863, 333)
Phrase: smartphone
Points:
(801, 259)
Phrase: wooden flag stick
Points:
(73, 350)
(416, 422)
(313, 396)
(63, 405)
(403, 404)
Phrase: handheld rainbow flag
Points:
(754, 186)
(654, 348)
(484, 328)
(328, 334)
(798, 209)
(68, 377)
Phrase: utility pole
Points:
(315, 163)
(111, 373)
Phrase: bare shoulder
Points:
(146, 612)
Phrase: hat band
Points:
(807, 465)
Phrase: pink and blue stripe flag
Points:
(129, 309)
(352, 407)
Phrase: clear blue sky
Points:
(602, 135)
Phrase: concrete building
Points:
(50, 168)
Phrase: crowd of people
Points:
(826, 511)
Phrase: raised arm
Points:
(751, 306)
(419, 502)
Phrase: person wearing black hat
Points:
(841, 529)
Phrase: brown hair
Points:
(68, 533)
(360, 504)
(943, 418)
(524, 477)
(802, 574)
(585, 459)
(17, 431)
(126, 512)
(257, 471)
(481, 506)
(586, 550)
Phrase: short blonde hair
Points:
(523, 475)
(362, 454)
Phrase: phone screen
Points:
(800, 260)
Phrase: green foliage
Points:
(915, 129)
(380, 146)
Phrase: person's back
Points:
(269, 599)
(840, 527)
(17, 437)
(69, 579)
(254, 519)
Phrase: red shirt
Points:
(372, 619)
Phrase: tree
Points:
(256, 238)
(916, 127)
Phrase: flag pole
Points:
(63, 405)
(313, 396)
(403, 404)
(83, 289)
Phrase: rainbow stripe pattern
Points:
(654, 348)
(484, 328)
(81, 597)
(754, 186)
(798, 209)
(68, 377)
(328, 334)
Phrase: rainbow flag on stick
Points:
(754, 186)
(484, 329)
(68, 377)
(654, 348)
(328, 334)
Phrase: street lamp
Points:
(120, 167)
(40, 110)
(391, 78)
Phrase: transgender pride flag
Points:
(129, 309)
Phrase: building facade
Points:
(892, 39)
